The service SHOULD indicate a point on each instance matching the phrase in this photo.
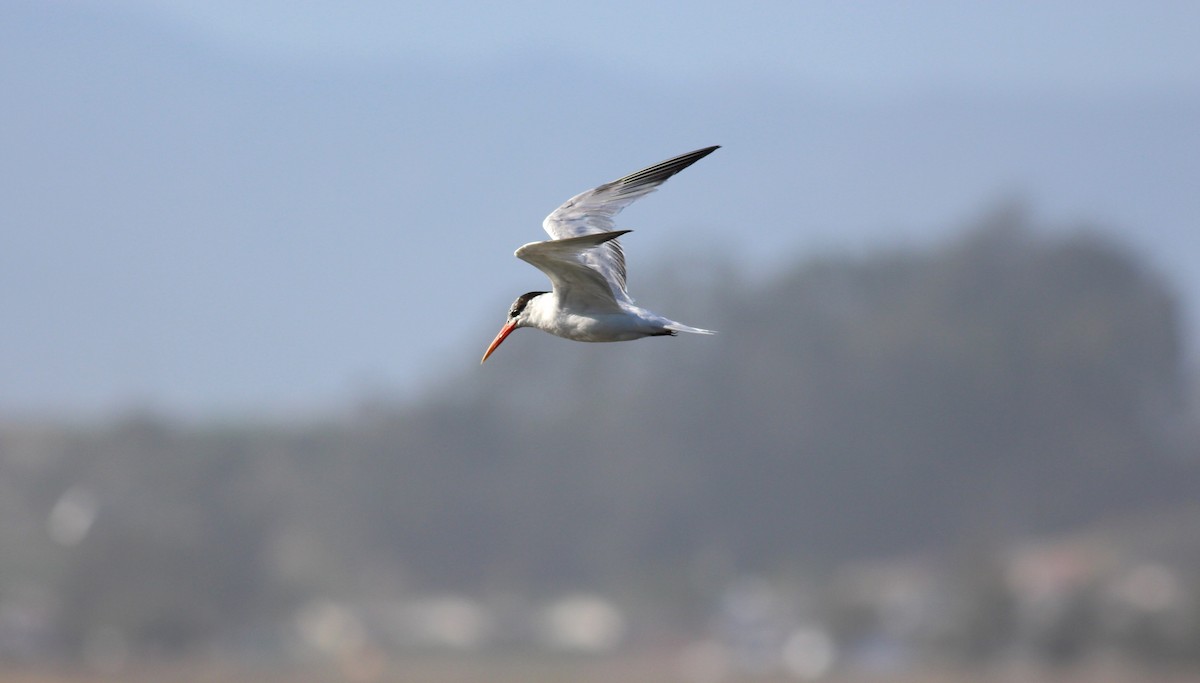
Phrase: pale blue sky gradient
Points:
(864, 46)
(263, 207)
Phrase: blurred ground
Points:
(642, 669)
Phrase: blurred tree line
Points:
(1003, 384)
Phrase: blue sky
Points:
(228, 207)
(866, 46)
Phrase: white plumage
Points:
(586, 266)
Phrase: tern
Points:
(586, 267)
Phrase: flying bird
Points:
(586, 267)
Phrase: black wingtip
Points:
(685, 160)
(615, 234)
(659, 172)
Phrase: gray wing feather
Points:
(592, 212)
(576, 282)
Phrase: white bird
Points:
(586, 267)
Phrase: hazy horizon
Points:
(251, 253)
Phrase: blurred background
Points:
(250, 254)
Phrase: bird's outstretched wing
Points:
(592, 212)
(577, 284)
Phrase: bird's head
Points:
(518, 316)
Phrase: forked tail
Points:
(680, 327)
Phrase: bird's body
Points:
(586, 267)
(629, 323)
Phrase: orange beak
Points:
(504, 332)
